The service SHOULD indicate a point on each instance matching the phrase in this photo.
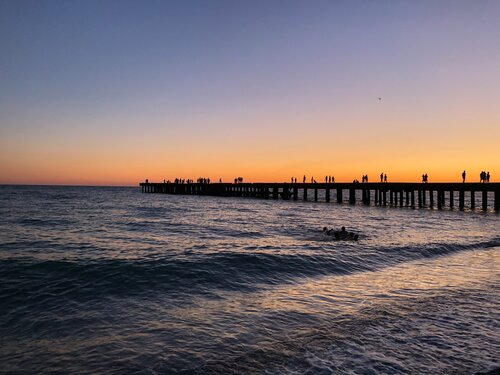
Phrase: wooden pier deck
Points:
(400, 194)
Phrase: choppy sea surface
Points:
(109, 280)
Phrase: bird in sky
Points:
(379, 98)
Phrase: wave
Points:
(192, 274)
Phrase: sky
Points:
(113, 92)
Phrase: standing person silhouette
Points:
(304, 180)
(385, 178)
(488, 176)
(381, 177)
(463, 176)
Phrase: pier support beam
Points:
(461, 200)
(275, 192)
(339, 196)
(452, 198)
(315, 194)
(305, 194)
(413, 198)
(497, 200)
(485, 200)
(295, 193)
(327, 195)
(352, 196)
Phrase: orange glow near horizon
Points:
(120, 160)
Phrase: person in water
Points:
(341, 234)
(328, 231)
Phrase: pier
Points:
(395, 194)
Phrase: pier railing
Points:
(401, 194)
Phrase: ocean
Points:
(107, 280)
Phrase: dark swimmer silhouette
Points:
(341, 235)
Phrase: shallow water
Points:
(109, 280)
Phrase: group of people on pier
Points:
(182, 181)
(328, 180)
(425, 178)
(484, 176)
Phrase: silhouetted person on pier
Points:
(488, 177)
(482, 176)
(381, 177)
(463, 176)
(426, 178)
(304, 180)
(333, 179)
(385, 178)
(147, 181)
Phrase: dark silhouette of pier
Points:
(396, 194)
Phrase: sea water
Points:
(109, 280)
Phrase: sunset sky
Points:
(113, 92)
